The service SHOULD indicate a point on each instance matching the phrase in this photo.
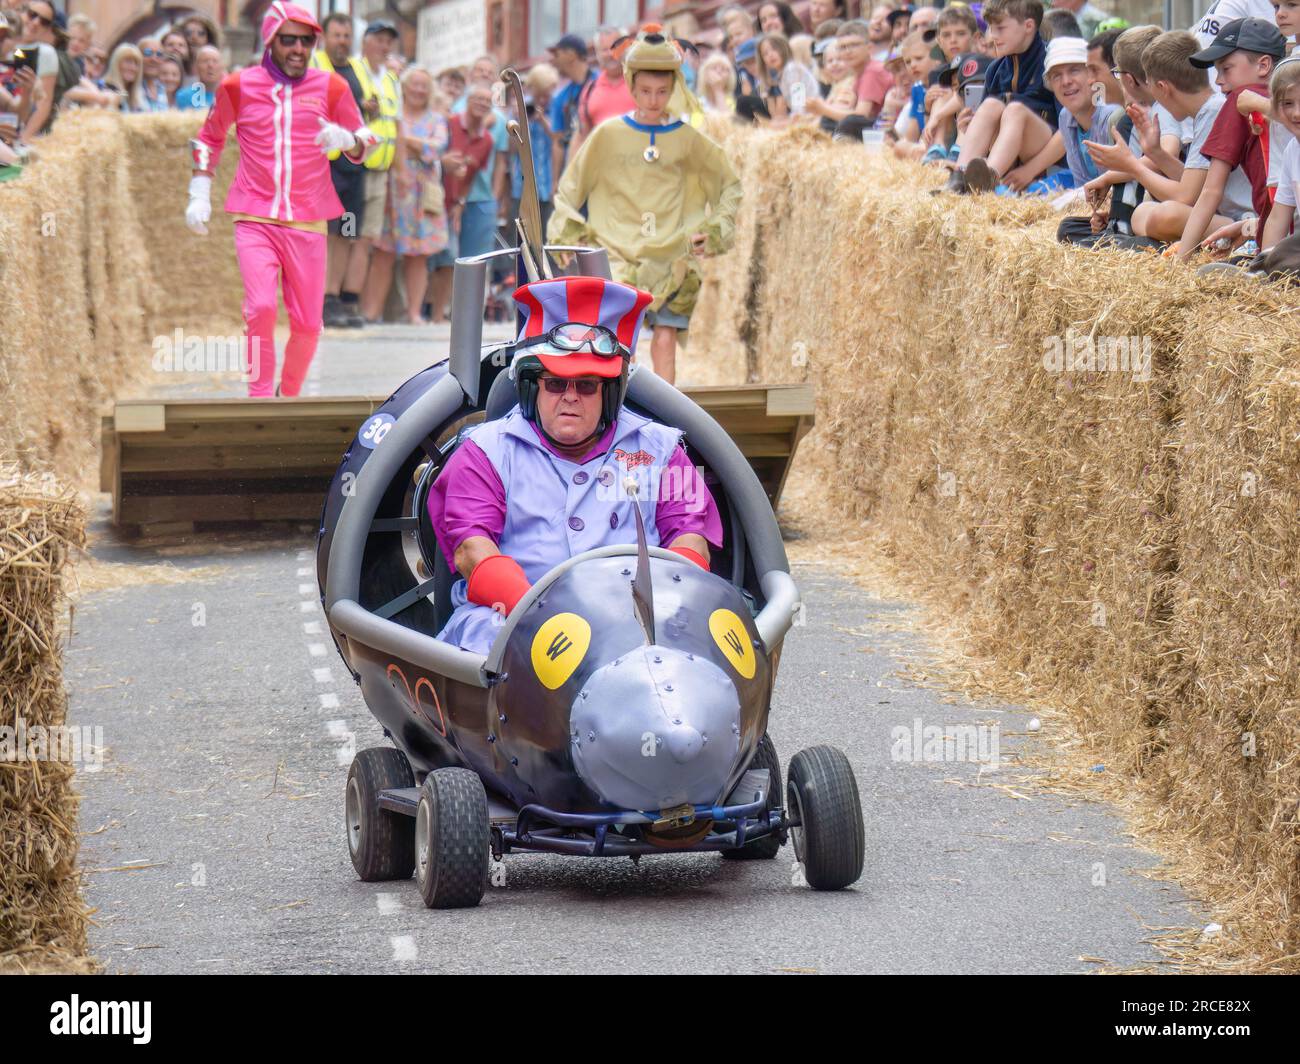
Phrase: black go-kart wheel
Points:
(766, 848)
(451, 839)
(822, 796)
(379, 841)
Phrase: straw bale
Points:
(1087, 528)
(95, 261)
(42, 918)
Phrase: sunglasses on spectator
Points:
(152, 53)
(560, 386)
(288, 40)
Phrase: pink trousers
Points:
(266, 253)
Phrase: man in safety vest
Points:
(381, 100)
(335, 56)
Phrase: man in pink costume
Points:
(288, 117)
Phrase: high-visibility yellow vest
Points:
(383, 125)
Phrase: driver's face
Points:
(568, 418)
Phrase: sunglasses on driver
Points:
(584, 386)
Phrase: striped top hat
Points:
(591, 301)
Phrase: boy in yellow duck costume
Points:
(658, 193)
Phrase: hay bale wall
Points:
(42, 918)
(1089, 528)
(95, 261)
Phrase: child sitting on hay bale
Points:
(1147, 137)
(958, 35)
(1182, 90)
(1010, 139)
(911, 122)
(1244, 53)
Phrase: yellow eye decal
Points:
(559, 647)
(729, 633)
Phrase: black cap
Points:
(965, 68)
(1243, 35)
(380, 25)
(898, 13)
(571, 42)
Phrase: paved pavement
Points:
(215, 838)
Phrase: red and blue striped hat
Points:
(586, 301)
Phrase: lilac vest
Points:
(556, 509)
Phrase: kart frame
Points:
(535, 827)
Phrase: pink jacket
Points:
(283, 174)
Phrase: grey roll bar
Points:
(746, 492)
(343, 574)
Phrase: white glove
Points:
(367, 137)
(199, 211)
(334, 138)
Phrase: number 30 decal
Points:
(373, 431)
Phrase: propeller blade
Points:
(532, 239)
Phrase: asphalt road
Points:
(214, 838)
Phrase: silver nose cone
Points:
(655, 729)
(684, 743)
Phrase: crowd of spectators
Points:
(1174, 139)
(50, 63)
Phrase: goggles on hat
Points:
(570, 337)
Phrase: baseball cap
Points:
(746, 50)
(380, 25)
(1062, 51)
(1242, 35)
(819, 47)
(898, 13)
(571, 42)
(965, 68)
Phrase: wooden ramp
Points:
(174, 464)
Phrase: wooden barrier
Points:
(174, 464)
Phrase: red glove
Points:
(690, 555)
(499, 582)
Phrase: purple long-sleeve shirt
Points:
(468, 498)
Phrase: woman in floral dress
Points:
(415, 225)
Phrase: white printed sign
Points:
(451, 33)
